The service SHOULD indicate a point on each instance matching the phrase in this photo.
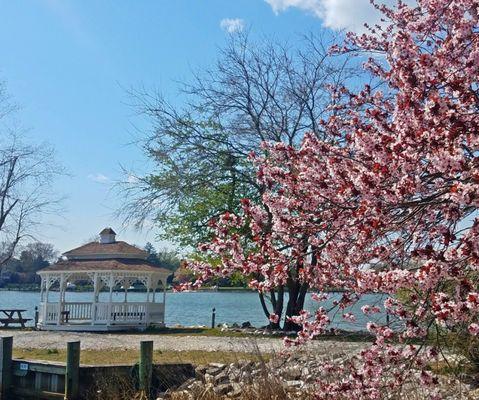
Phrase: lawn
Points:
(128, 356)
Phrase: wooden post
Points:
(6, 349)
(72, 371)
(36, 317)
(213, 317)
(146, 367)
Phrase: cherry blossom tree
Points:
(390, 206)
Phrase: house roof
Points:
(117, 249)
(132, 265)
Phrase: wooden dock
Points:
(34, 379)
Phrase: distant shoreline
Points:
(141, 290)
(84, 290)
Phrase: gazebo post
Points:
(148, 308)
(95, 298)
(62, 298)
(42, 282)
(163, 281)
(110, 298)
(47, 288)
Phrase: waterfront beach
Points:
(27, 339)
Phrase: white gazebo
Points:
(112, 267)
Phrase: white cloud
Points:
(335, 14)
(232, 25)
(99, 178)
(132, 179)
(313, 6)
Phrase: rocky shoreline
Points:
(293, 375)
(289, 376)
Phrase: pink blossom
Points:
(349, 317)
(383, 201)
(474, 329)
(274, 318)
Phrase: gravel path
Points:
(103, 341)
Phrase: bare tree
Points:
(254, 93)
(26, 175)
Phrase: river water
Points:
(194, 308)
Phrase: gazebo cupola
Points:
(107, 235)
(110, 266)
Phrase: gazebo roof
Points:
(117, 248)
(110, 265)
(107, 231)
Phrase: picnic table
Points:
(12, 316)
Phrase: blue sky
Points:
(68, 64)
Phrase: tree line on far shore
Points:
(20, 270)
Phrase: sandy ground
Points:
(104, 341)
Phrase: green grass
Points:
(128, 356)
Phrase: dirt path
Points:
(104, 341)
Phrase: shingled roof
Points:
(110, 256)
(115, 250)
(105, 265)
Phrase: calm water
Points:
(194, 308)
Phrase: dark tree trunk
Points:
(271, 325)
(297, 295)
(277, 306)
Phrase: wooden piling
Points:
(6, 349)
(213, 318)
(36, 317)
(146, 367)
(72, 372)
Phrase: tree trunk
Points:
(271, 325)
(277, 306)
(297, 295)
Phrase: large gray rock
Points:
(223, 389)
(221, 378)
(291, 373)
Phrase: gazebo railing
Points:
(49, 312)
(77, 311)
(102, 313)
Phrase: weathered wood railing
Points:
(29, 379)
(38, 380)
